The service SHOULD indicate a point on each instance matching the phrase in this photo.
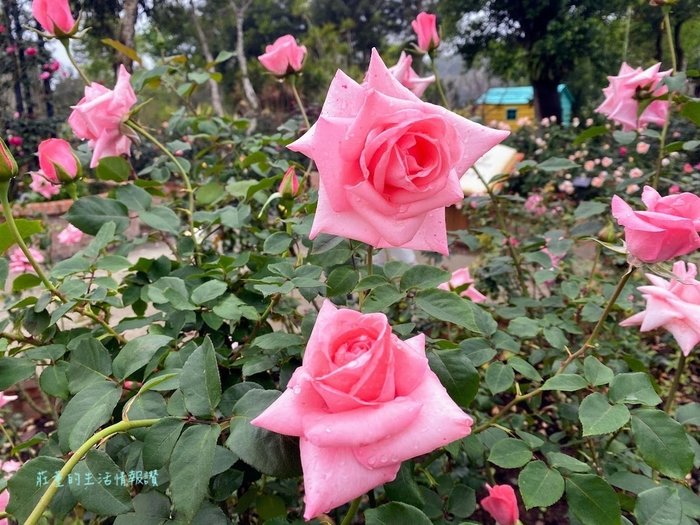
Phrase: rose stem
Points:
(185, 178)
(676, 383)
(674, 66)
(347, 520)
(66, 45)
(10, 221)
(438, 83)
(502, 225)
(293, 83)
(568, 360)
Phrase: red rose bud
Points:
(58, 162)
(8, 165)
(289, 187)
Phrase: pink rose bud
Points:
(55, 17)
(289, 187)
(10, 50)
(54, 66)
(404, 73)
(622, 97)
(8, 164)
(19, 262)
(30, 52)
(100, 115)
(669, 228)
(283, 57)
(673, 305)
(425, 26)
(44, 75)
(70, 235)
(58, 162)
(362, 402)
(389, 164)
(675, 188)
(459, 279)
(642, 148)
(15, 141)
(623, 151)
(502, 504)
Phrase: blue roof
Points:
(514, 95)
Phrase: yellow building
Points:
(512, 103)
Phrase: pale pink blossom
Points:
(606, 162)
(589, 165)
(70, 235)
(20, 264)
(675, 188)
(459, 279)
(567, 187)
(642, 148)
(43, 186)
(502, 504)
(534, 205)
(635, 173)
(632, 188)
(405, 74)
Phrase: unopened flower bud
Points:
(289, 187)
(8, 164)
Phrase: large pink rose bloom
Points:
(54, 16)
(673, 305)
(425, 26)
(405, 74)
(460, 278)
(362, 402)
(100, 117)
(669, 228)
(621, 105)
(284, 56)
(56, 158)
(389, 163)
(502, 504)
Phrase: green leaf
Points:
(510, 453)
(381, 298)
(600, 417)
(14, 370)
(423, 277)
(396, 513)
(659, 506)
(200, 382)
(90, 213)
(25, 281)
(133, 197)
(54, 381)
(100, 498)
(26, 228)
(524, 368)
(456, 373)
(478, 350)
(523, 327)
(113, 168)
(449, 307)
(633, 388)
(90, 363)
(270, 453)
(462, 501)
(341, 281)
(592, 500)
(691, 111)
(499, 377)
(562, 461)
(624, 137)
(596, 373)
(171, 290)
(25, 492)
(565, 383)
(161, 218)
(137, 353)
(159, 442)
(190, 468)
(90, 409)
(662, 443)
(208, 291)
(593, 131)
(113, 263)
(277, 243)
(540, 485)
(587, 209)
(557, 164)
(689, 414)
(404, 488)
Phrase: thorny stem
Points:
(589, 343)
(438, 83)
(66, 45)
(122, 426)
(502, 226)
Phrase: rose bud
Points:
(30, 52)
(283, 57)
(8, 164)
(502, 504)
(425, 26)
(55, 17)
(289, 187)
(58, 162)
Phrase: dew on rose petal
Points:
(328, 430)
(384, 459)
(371, 460)
(297, 389)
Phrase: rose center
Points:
(351, 350)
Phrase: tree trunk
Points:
(7, 6)
(547, 102)
(213, 84)
(127, 32)
(678, 44)
(239, 13)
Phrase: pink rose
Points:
(405, 74)
(460, 278)
(43, 186)
(425, 26)
(4, 501)
(54, 16)
(502, 504)
(70, 235)
(30, 52)
(589, 165)
(57, 161)
(362, 402)
(15, 141)
(4, 399)
(289, 186)
(44, 75)
(622, 97)
(675, 188)
(642, 148)
(54, 66)
(284, 57)
(635, 173)
(11, 465)
(606, 162)
(19, 262)
(100, 117)
(534, 205)
(673, 305)
(389, 163)
(669, 228)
